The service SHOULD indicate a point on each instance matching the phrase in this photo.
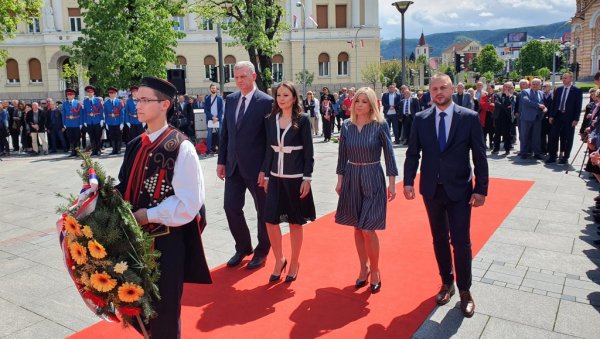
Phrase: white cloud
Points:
(433, 17)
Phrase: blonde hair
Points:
(372, 97)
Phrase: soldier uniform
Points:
(72, 119)
(113, 112)
(93, 118)
(131, 118)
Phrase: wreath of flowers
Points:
(110, 259)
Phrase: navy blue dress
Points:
(363, 197)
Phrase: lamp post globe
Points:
(402, 6)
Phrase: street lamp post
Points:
(356, 55)
(301, 4)
(402, 6)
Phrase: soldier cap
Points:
(112, 89)
(70, 91)
(90, 88)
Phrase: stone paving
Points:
(537, 276)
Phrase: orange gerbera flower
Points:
(103, 282)
(78, 253)
(129, 292)
(72, 226)
(96, 250)
(87, 231)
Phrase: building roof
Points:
(422, 40)
(458, 46)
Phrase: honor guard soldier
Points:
(93, 118)
(113, 111)
(171, 210)
(131, 115)
(73, 120)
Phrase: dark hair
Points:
(296, 109)
(597, 76)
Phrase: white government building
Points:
(35, 59)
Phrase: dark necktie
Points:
(240, 114)
(534, 96)
(442, 131)
(563, 99)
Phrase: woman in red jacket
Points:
(486, 110)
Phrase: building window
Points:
(210, 63)
(229, 62)
(341, 16)
(35, 71)
(207, 25)
(322, 20)
(75, 19)
(34, 25)
(323, 65)
(277, 68)
(343, 63)
(179, 23)
(181, 63)
(12, 71)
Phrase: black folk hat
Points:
(159, 85)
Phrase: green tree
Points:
(513, 75)
(543, 72)
(13, 12)
(489, 76)
(488, 60)
(535, 55)
(371, 74)
(124, 40)
(391, 71)
(303, 76)
(257, 26)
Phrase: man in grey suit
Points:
(462, 98)
(532, 109)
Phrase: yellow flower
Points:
(87, 231)
(102, 282)
(96, 250)
(72, 226)
(120, 267)
(85, 279)
(78, 253)
(130, 292)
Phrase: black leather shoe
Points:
(563, 161)
(550, 160)
(256, 262)
(446, 292)
(237, 258)
(467, 305)
(377, 286)
(274, 277)
(361, 283)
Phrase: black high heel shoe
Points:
(289, 278)
(362, 283)
(376, 287)
(273, 277)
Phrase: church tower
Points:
(422, 48)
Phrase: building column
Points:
(372, 14)
(356, 13)
(58, 15)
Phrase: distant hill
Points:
(391, 49)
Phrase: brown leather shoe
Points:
(467, 305)
(446, 292)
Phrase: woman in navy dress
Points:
(361, 181)
(287, 168)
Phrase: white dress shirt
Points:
(188, 184)
(239, 104)
(447, 119)
(391, 99)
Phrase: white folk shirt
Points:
(188, 185)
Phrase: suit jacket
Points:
(208, 107)
(425, 101)
(385, 102)
(413, 106)
(467, 101)
(187, 111)
(244, 148)
(41, 121)
(572, 106)
(451, 167)
(529, 106)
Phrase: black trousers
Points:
(14, 135)
(406, 126)
(234, 201)
(546, 127)
(114, 135)
(503, 128)
(561, 130)
(450, 223)
(95, 132)
(327, 126)
(74, 134)
(394, 122)
(84, 132)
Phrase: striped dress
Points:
(363, 197)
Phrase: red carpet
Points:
(323, 301)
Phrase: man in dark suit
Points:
(502, 116)
(531, 109)
(445, 135)
(462, 98)
(391, 110)
(564, 116)
(241, 153)
(409, 106)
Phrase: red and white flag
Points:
(294, 22)
(362, 43)
(351, 43)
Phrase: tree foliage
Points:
(303, 76)
(488, 60)
(257, 26)
(391, 71)
(371, 74)
(124, 40)
(535, 55)
(13, 12)
(543, 72)
(489, 76)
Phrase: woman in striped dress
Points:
(361, 182)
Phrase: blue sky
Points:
(438, 16)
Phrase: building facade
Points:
(585, 37)
(422, 48)
(342, 36)
(468, 49)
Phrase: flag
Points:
(351, 43)
(294, 22)
(362, 43)
(313, 20)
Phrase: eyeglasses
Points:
(145, 101)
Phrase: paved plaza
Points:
(537, 276)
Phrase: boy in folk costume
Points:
(162, 179)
